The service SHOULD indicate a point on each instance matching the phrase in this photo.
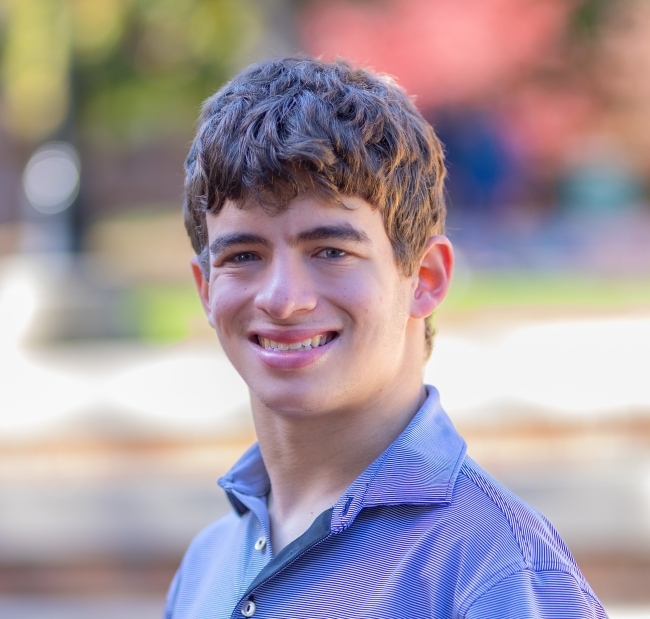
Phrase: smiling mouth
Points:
(307, 344)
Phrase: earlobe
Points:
(432, 277)
(202, 286)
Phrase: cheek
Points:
(359, 296)
(375, 302)
(226, 305)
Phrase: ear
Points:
(202, 286)
(433, 276)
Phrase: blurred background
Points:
(118, 411)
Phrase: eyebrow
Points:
(344, 232)
(222, 243)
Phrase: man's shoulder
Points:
(508, 541)
(524, 538)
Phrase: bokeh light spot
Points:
(51, 178)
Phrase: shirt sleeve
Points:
(171, 597)
(528, 594)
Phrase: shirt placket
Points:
(258, 551)
(249, 605)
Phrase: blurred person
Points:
(314, 202)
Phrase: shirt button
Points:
(248, 608)
(259, 544)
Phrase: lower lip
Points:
(291, 360)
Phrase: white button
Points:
(248, 608)
(260, 543)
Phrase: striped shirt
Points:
(423, 532)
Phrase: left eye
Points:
(332, 254)
(245, 256)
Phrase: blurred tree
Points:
(129, 69)
(35, 67)
(588, 17)
(112, 76)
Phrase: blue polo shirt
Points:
(423, 532)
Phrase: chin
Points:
(291, 400)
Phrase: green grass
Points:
(161, 313)
(490, 290)
(168, 313)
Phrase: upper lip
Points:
(291, 335)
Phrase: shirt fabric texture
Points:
(422, 532)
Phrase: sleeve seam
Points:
(513, 522)
(501, 576)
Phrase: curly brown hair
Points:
(287, 126)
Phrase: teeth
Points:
(308, 344)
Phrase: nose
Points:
(286, 289)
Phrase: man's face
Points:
(309, 304)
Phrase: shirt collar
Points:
(419, 468)
(247, 478)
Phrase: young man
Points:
(314, 201)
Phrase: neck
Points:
(311, 459)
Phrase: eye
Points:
(241, 257)
(331, 253)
